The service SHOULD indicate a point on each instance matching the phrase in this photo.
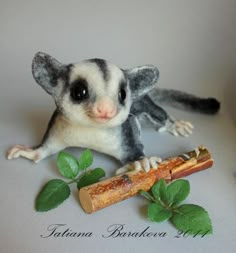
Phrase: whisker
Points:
(85, 112)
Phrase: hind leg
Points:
(148, 110)
(160, 119)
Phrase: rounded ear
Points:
(46, 70)
(142, 79)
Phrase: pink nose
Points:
(105, 108)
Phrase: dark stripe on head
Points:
(65, 76)
(102, 65)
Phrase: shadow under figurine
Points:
(100, 106)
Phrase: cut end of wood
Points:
(85, 201)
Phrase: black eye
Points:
(122, 95)
(79, 91)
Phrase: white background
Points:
(193, 43)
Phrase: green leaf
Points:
(53, 194)
(177, 192)
(159, 190)
(85, 160)
(67, 165)
(192, 219)
(146, 195)
(91, 177)
(158, 213)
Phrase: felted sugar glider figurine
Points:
(100, 106)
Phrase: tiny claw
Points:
(146, 164)
(154, 161)
(137, 166)
(122, 170)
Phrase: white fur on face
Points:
(101, 90)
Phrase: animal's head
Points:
(93, 92)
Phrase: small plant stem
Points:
(73, 181)
(76, 180)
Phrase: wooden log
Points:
(105, 193)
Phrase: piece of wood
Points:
(105, 193)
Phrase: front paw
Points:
(145, 164)
(23, 151)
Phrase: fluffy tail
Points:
(182, 100)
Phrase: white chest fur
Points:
(105, 140)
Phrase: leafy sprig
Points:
(57, 191)
(166, 199)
